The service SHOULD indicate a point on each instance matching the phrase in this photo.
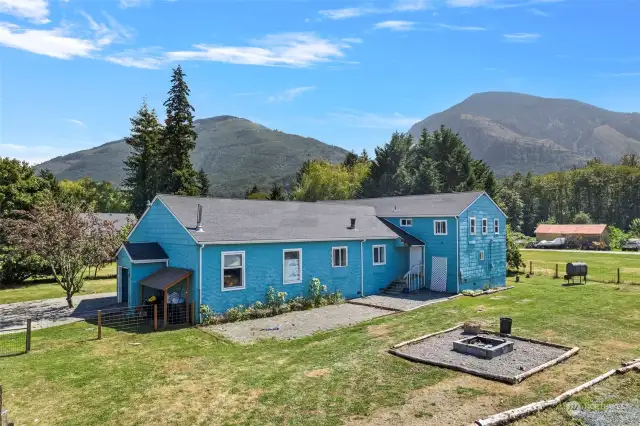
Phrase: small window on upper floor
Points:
(472, 226)
(440, 227)
(482, 255)
(496, 226)
(485, 225)
(406, 222)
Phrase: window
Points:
(496, 226)
(406, 222)
(232, 270)
(440, 227)
(482, 255)
(292, 266)
(379, 255)
(484, 226)
(472, 226)
(339, 257)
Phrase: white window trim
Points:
(346, 256)
(446, 227)
(285, 251)
(475, 225)
(373, 254)
(485, 226)
(482, 255)
(496, 226)
(244, 269)
(408, 223)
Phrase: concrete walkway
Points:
(52, 312)
(402, 302)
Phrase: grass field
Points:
(36, 290)
(343, 376)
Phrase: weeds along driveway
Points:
(297, 324)
(52, 312)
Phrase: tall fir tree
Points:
(383, 179)
(178, 140)
(277, 193)
(141, 167)
(203, 183)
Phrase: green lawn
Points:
(37, 289)
(342, 376)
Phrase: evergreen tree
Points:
(250, 191)
(383, 179)
(364, 156)
(141, 167)
(203, 183)
(350, 160)
(178, 140)
(277, 193)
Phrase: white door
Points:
(439, 274)
(415, 256)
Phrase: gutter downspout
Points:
(362, 267)
(457, 256)
(199, 282)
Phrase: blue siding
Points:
(436, 245)
(137, 271)
(491, 271)
(159, 225)
(263, 269)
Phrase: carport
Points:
(164, 279)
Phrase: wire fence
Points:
(597, 274)
(15, 341)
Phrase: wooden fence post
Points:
(155, 317)
(28, 342)
(556, 276)
(531, 267)
(99, 325)
(193, 312)
(618, 275)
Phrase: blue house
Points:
(223, 253)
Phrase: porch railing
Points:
(414, 279)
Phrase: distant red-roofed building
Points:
(549, 232)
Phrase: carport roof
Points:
(165, 277)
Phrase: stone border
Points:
(490, 291)
(512, 380)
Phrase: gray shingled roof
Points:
(145, 251)
(257, 220)
(438, 205)
(406, 237)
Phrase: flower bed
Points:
(276, 303)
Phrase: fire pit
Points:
(483, 346)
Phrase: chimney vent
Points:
(199, 219)
(353, 223)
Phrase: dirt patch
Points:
(524, 301)
(318, 373)
(456, 401)
(378, 330)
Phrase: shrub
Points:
(275, 300)
(316, 290)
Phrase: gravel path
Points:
(402, 302)
(52, 312)
(297, 324)
(613, 415)
(524, 356)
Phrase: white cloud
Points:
(287, 49)
(469, 3)
(498, 4)
(395, 25)
(145, 58)
(106, 34)
(31, 154)
(537, 12)
(522, 37)
(460, 28)
(352, 40)
(290, 94)
(360, 119)
(78, 122)
(56, 42)
(36, 11)
(354, 12)
(133, 3)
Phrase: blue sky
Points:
(72, 72)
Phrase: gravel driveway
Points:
(297, 324)
(52, 312)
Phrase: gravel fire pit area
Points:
(506, 358)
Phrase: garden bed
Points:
(527, 357)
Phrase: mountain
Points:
(236, 153)
(517, 132)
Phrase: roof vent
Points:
(199, 219)
(353, 223)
